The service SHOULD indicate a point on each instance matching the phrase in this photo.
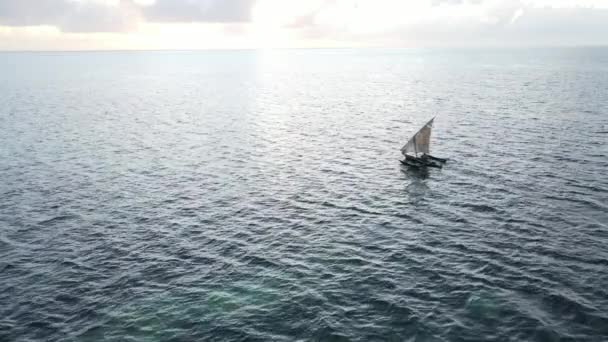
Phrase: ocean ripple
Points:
(257, 196)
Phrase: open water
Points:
(258, 196)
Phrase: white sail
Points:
(421, 141)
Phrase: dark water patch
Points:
(57, 219)
(587, 202)
(477, 207)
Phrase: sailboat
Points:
(417, 149)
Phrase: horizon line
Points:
(548, 46)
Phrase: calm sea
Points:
(258, 196)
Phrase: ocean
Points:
(258, 195)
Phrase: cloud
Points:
(213, 11)
(31, 12)
(316, 22)
(455, 22)
(556, 26)
(70, 15)
(119, 15)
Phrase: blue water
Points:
(258, 196)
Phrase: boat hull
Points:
(441, 160)
(420, 164)
(424, 161)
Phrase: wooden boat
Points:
(417, 149)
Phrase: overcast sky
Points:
(209, 24)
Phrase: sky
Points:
(244, 24)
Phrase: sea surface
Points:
(258, 196)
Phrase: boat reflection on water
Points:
(416, 173)
(417, 188)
